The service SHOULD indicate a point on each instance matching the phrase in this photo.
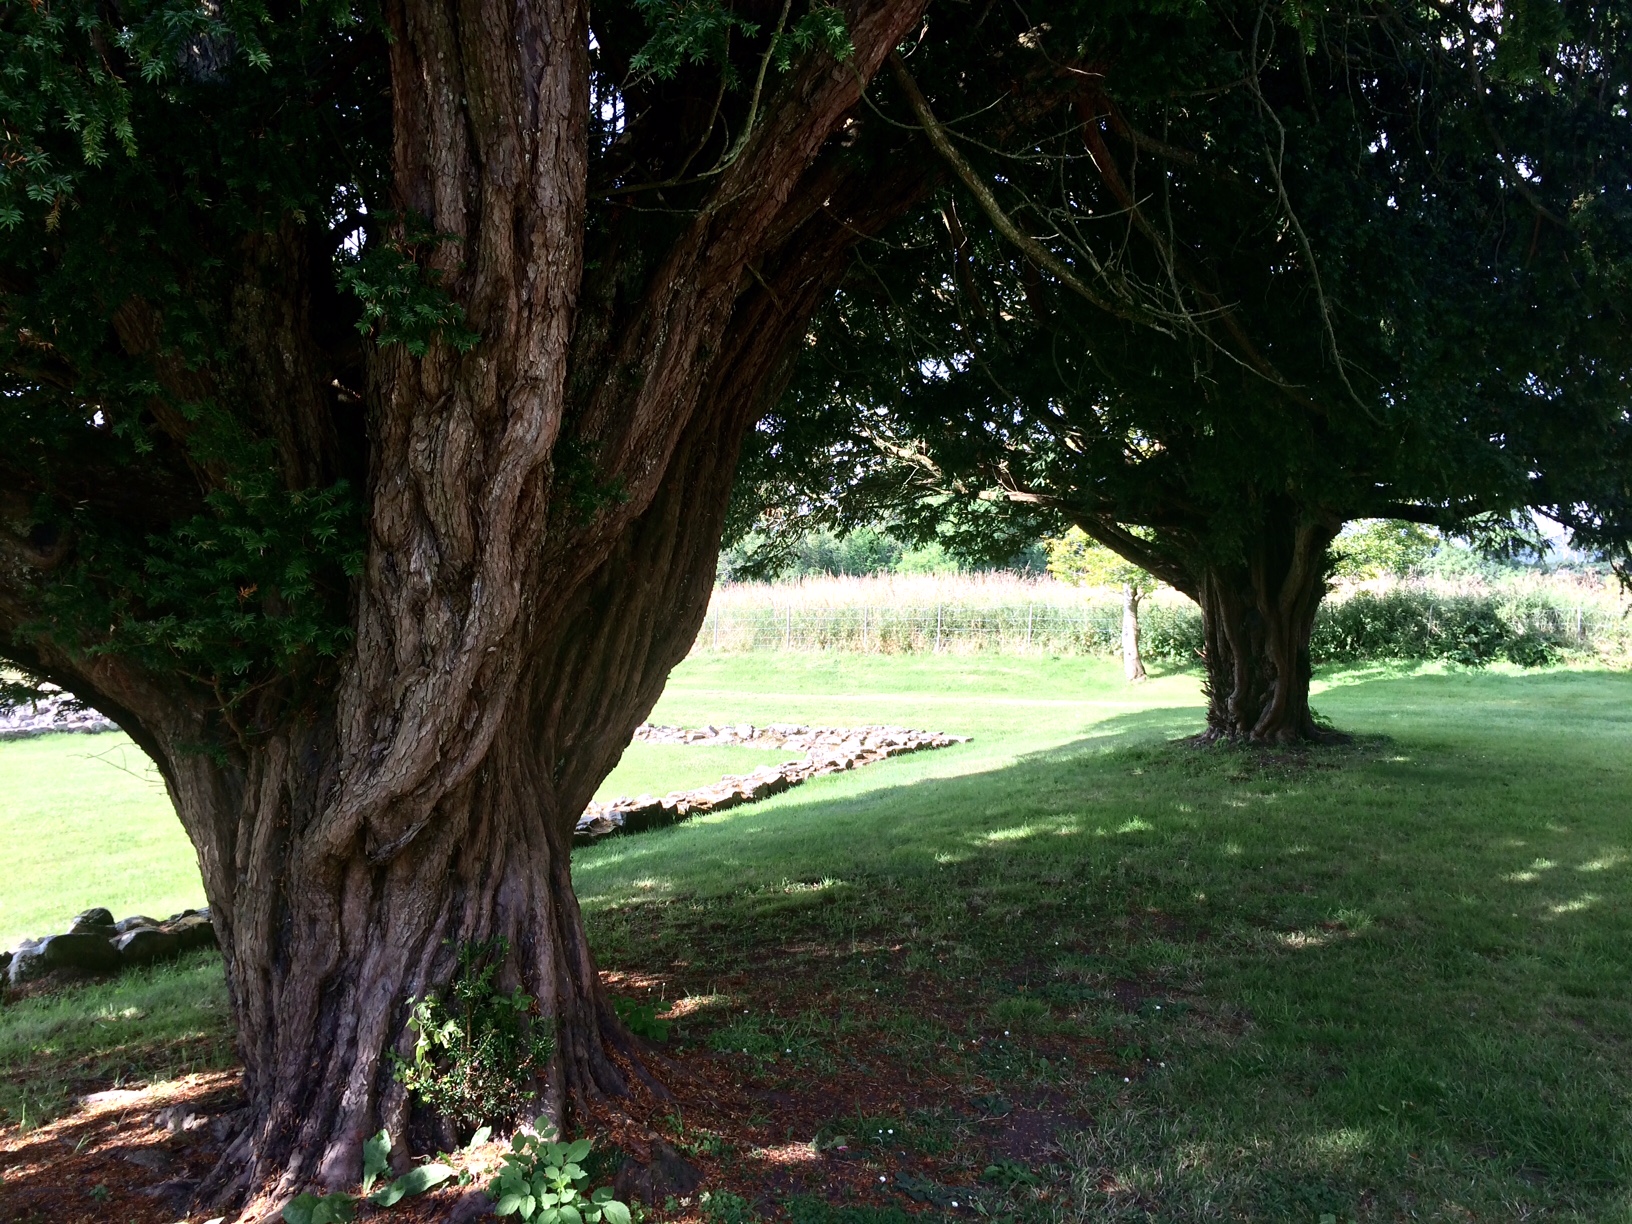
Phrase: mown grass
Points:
(85, 821)
(1384, 981)
(1378, 982)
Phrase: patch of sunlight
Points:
(1302, 939)
(1066, 828)
(946, 858)
(691, 1005)
(1184, 807)
(1235, 803)
(802, 886)
(1584, 901)
(1353, 919)
(1297, 848)
(1016, 833)
(1531, 874)
(1345, 1141)
(1607, 862)
(1233, 849)
(129, 1013)
(1136, 826)
(1398, 760)
(648, 884)
(1514, 843)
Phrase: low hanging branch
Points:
(1001, 221)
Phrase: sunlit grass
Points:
(1378, 982)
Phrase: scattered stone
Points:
(54, 711)
(826, 749)
(27, 963)
(79, 950)
(665, 1173)
(98, 944)
(178, 1118)
(149, 1158)
(193, 929)
(144, 945)
(97, 921)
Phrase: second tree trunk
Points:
(1257, 617)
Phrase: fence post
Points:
(864, 628)
(1029, 608)
(937, 627)
(787, 638)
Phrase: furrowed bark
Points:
(1257, 618)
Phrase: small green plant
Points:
(861, 1133)
(1008, 1174)
(641, 1019)
(1021, 1014)
(723, 1207)
(543, 1181)
(341, 1208)
(475, 1061)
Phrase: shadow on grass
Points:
(1354, 981)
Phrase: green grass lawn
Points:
(1386, 981)
(85, 821)
(657, 769)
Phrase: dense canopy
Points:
(1258, 279)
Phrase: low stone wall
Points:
(58, 711)
(827, 750)
(95, 942)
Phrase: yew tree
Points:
(372, 380)
(1264, 271)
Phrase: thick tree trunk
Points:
(325, 952)
(544, 512)
(1257, 617)
(1133, 666)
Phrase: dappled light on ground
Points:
(1078, 971)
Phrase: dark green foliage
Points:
(723, 1207)
(403, 300)
(545, 1182)
(477, 1057)
(253, 584)
(1323, 287)
(162, 170)
(1469, 629)
(641, 1019)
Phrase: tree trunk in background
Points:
(1257, 617)
(1133, 667)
